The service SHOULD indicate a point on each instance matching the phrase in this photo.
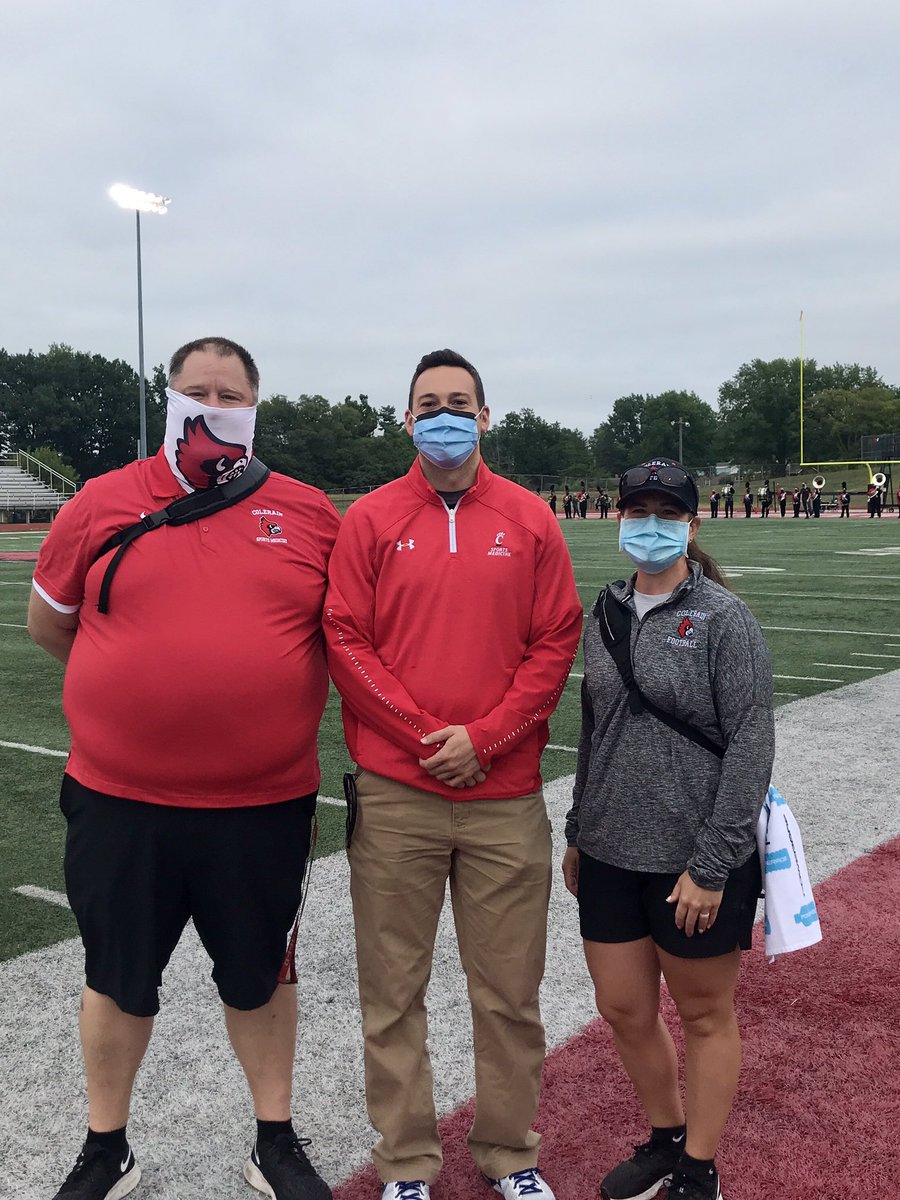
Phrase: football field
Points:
(827, 594)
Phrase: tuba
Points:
(819, 482)
(879, 479)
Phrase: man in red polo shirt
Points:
(176, 806)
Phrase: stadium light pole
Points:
(682, 426)
(138, 202)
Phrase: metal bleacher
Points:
(27, 487)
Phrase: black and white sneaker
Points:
(641, 1176)
(694, 1187)
(100, 1174)
(280, 1170)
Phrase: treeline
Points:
(83, 408)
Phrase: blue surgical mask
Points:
(446, 438)
(653, 544)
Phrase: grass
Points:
(825, 592)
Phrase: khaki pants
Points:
(496, 854)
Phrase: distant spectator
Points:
(713, 504)
(552, 501)
(748, 502)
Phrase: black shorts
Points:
(615, 905)
(136, 873)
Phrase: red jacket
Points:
(464, 617)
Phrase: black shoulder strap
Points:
(614, 619)
(193, 507)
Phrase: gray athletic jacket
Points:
(645, 797)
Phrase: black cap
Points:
(663, 477)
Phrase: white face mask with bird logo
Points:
(206, 445)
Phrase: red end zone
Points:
(816, 1113)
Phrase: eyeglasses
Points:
(667, 476)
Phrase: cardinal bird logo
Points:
(269, 528)
(203, 459)
(686, 629)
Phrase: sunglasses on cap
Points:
(668, 476)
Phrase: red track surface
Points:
(817, 1110)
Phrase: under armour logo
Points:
(410, 545)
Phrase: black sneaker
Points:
(280, 1170)
(641, 1177)
(100, 1174)
(690, 1187)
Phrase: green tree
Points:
(614, 444)
(50, 458)
(82, 405)
(759, 410)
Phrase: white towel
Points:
(791, 920)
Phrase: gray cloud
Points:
(586, 199)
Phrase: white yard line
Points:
(809, 678)
(785, 693)
(852, 666)
(8, 625)
(804, 629)
(568, 749)
(39, 893)
(863, 654)
(35, 749)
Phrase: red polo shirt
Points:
(204, 684)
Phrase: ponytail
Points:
(708, 565)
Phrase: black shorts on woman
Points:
(617, 905)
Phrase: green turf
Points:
(819, 601)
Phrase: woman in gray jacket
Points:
(661, 835)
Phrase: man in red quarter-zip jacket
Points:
(452, 621)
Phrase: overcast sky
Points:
(586, 198)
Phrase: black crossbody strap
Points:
(614, 619)
(193, 507)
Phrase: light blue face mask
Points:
(446, 438)
(653, 544)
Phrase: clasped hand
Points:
(455, 763)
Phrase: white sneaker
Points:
(401, 1189)
(521, 1184)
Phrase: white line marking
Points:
(39, 893)
(15, 583)
(330, 800)
(847, 596)
(756, 570)
(35, 749)
(785, 693)
(575, 675)
(863, 654)
(568, 749)
(808, 678)
(7, 625)
(851, 666)
(802, 629)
